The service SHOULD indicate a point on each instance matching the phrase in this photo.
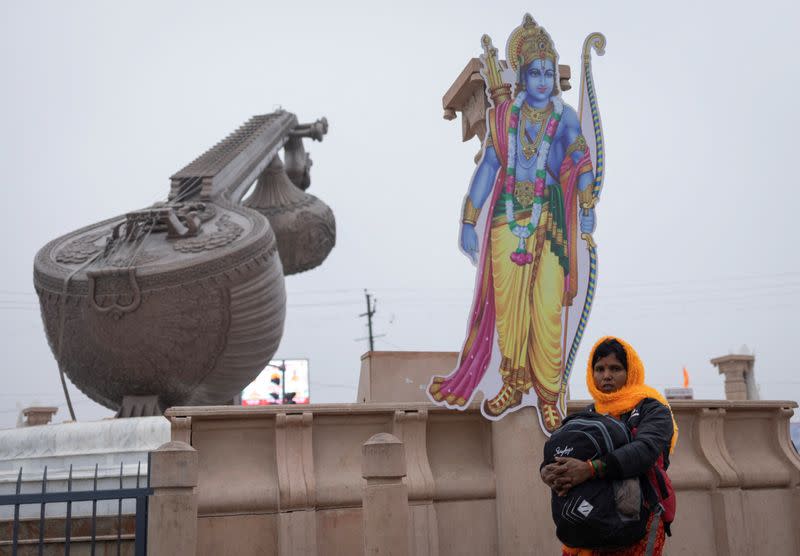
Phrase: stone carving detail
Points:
(140, 258)
(295, 206)
(227, 232)
(122, 293)
(204, 211)
(298, 161)
(316, 233)
(209, 211)
(165, 333)
(79, 250)
(304, 226)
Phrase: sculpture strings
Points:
(527, 222)
(183, 302)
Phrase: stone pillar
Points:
(524, 523)
(172, 509)
(705, 437)
(412, 428)
(35, 416)
(297, 520)
(738, 371)
(385, 498)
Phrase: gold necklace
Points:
(534, 116)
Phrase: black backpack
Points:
(598, 513)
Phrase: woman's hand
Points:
(549, 474)
(552, 477)
(565, 474)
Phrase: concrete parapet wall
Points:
(288, 479)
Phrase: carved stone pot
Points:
(132, 307)
(304, 226)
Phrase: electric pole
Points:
(371, 304)
(370, 311)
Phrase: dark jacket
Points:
(652, 421)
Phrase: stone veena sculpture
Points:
(183, 302)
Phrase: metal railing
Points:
(139, 493)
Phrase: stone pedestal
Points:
(738, 371)
(38, 415)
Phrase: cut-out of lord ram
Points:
(527, 222)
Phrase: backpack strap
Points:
(649, 492)
(662, 484)
(654, 482)
(651, 536)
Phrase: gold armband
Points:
(470, 215)
(579, 144)
(586, 198)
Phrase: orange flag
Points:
(685, 378)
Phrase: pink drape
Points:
(475, 359)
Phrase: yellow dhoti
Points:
(528, 302)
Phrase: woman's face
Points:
(609, 374)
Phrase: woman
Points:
(615, 378)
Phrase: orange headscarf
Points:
(634, 391)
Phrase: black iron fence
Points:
(111, 534)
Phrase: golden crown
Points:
(529, 42)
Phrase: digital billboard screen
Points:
(268, 388)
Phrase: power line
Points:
(663, 283)
(708, 280)
(317, 292)
(384, 340)
(334, 304)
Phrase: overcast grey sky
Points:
(697, 229)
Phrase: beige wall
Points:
(401, 376)
(287, 480)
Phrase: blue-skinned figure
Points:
(533, 190)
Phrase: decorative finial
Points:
(596, 41)
(488, 47)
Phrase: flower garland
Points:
(521, 256)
